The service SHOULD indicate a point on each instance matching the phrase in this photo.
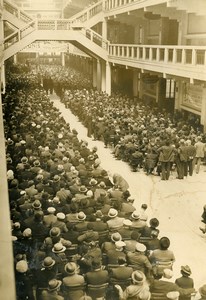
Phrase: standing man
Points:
(166, 159)
(200, 152)
(191, 153)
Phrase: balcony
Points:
(185, 61)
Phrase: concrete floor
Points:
(178, 204)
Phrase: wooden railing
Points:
(53, 25)
(15, 11)
(88, 12)
(185, 55)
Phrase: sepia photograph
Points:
(103, 149)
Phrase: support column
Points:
(103, 76)
(104, 28)
(99, 75)
(203, 110)
(135, 83)
(15, 58)
(178, 94)
(63, 59)
(94, 66)
(108, 78)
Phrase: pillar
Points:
(108, 78)
(7, 279)
(182, 29)
(178, 94)
(99, 75)
(135, 83)
(203, 110)
(94, 66)
(103, 76)
(15, 58)
(63, 59)
(104, 28)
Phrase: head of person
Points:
(186, 271)
(164, 243)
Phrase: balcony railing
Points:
(53, 25)
(15, 11)
(184, 55)
(88, 12)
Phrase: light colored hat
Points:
(54, 232)
(54, 284)
(22, 266)
(127, 222)
(83, 189)
(116, 236)
(27, 232)
(167, 273)
(135, 215)
(48, 262)
(61, 216)
(186, 269)
(173, 295)
(56, 178)
(51, 210)
(81, 216)
(140, 247)
(120, 244)
(36, 204)
(93, 181)
(138, 277)
(202, 290)
(112, 213)
(58, 248)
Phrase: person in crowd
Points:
(166, 158)
(185, 281)
(200, 153)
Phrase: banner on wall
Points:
(192, 96)
(47, 47)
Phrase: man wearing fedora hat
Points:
(81, 226)
(139, 259)
(115, 222)
(43, 275)
(58, 254)
(137, 289)
(137, 223)
(185, 281)
(53, 291)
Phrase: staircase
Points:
(89, 16)
(56, 30)
(14, 15)
(190, 6)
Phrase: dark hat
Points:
(55, 231)
(48, 262)
(154, 222)
(99, 214)
(54, 284)
(116, 236)
(164, 242)
(70, 268)
(186, 269)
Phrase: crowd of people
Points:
(76, 233)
